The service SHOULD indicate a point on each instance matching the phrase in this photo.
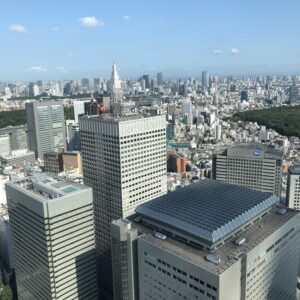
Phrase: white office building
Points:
(293, 188)
(124, 161)
(251, 165)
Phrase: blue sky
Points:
(73, 39)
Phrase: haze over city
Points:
(63, 40)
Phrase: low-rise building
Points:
(209, 240)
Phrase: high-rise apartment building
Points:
(210, 240)
(124, 161)
(293, 188)
(53, 239)
(255, 166)
(46, 126)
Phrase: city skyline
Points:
(56, 41)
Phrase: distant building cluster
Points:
(150, 191)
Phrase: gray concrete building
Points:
(18, 158)
(5, 148)
(53, 238)
(53, 162)
(293, 188)
(46, 126)
(124, 161)
(17, 135)
(255, 166)
(210, 240)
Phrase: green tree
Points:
(6, 293)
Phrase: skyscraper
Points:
(205, 80)
(159, 79)
(255, 166)
(209, 240)
(46, 126)
(294, 93)
(116, 89)
(53, 239)
(124, 161)
(293, 188)
(79, 108)
(147, 81)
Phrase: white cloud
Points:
(37, 69)
(234, 51)
(55, 29)
(91, 22)
(126, 18)
(70, 54)
(217, 51)
(18, 29)
(62, 70)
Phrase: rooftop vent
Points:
(281, 211)
(215, 259)
(160, 236)
(240, 241)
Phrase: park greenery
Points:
(285, 120)
(18, 117)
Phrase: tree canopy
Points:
(285, 120)
(18, 117)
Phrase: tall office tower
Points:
(187, 111)
(244, 96)
(73, 137)
(293, 188)
(210, 240)
(30, 89)
(205, 80)
(147, 81)
(53, 238)
(5, 147)
(294, 93)
(124, 161)
(182, 90)
(46, 126)
(159, 79)
(255, 166)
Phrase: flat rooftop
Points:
(121, 118)
(49, 186)
(294, 170)
(209, 209)
(229, 251)
(255, 149)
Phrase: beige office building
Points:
(53, 239)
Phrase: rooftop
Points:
(258, 150)
(294, 170)
(229, 252)
(209, 209)
(49, 186)
(121, 118)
